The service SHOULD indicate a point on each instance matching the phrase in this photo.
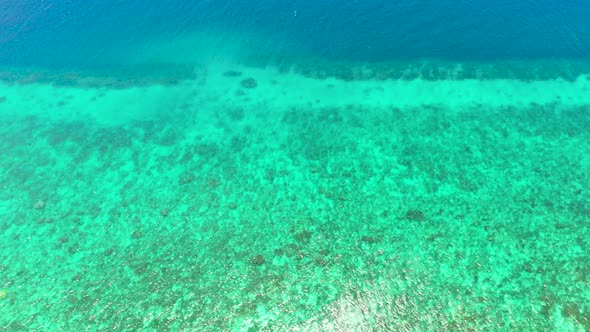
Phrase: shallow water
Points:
(295, 167)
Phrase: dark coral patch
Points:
(257, 260)
(303, 237)
(415, 215)
(249, 83)
(186, 178)
(232, 73)
(370, 239)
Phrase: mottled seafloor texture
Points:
(235, 201)
(258, 166)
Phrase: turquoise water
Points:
(295, 167)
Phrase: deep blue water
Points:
(60, 32)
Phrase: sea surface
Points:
(295, 165)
